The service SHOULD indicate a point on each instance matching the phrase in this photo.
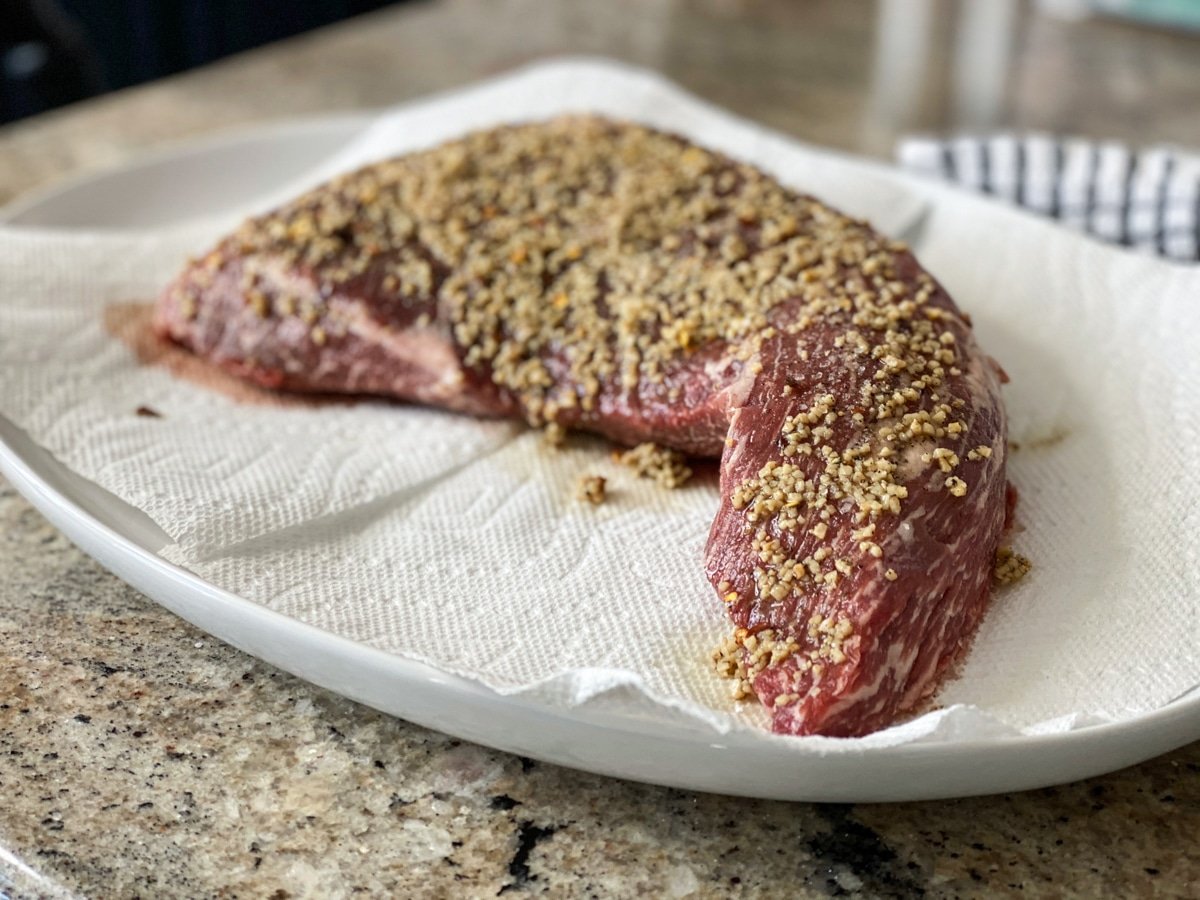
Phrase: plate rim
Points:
(169, 151)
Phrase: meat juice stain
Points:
(132, 324)
(1042, 441)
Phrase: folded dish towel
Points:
(1146, 199)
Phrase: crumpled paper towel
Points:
(459, 542)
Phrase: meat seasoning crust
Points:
(598, 275)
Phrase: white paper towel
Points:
(460, 543)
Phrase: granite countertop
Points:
(140, 757)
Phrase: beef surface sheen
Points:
(608, 277)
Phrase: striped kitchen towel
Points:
(1146, 199)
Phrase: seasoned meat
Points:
(604, 276)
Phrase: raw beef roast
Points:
(608, 277)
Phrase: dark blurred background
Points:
(54, 52)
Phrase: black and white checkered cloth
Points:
(1148, 199)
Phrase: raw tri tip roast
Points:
(609, 277)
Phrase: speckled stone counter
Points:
(141, 758)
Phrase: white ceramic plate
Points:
(641, 748)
